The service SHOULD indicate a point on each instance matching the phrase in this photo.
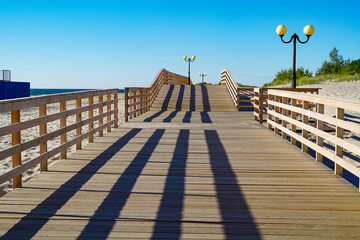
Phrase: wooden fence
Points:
(261, 97)
(41, 102)
(243, 97)
(139, 100)
(286, 107)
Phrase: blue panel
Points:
(10, 90)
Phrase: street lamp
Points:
(189, 60)
(202, 75)
(281, 31)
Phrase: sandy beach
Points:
(31, 133)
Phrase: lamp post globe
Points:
(281, 30)
(309, 30)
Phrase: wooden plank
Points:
(43, 131)
(15, 140)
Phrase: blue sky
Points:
(113, 44)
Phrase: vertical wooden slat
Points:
(91, 114)
(277, 109)
(63, 154)
(16, 139)
(131, 93)
(116, 104)
(320, 126)
(284, 112)
(43, 131)
(270, 107)
(261, 105)
(340, 134)
(293, 116)
(126, 104)
(108, 109)
(305, 133)
(78, 119)
(138, 100)
(101, 111)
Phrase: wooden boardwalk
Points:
(177, 174)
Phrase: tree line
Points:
(336, 65)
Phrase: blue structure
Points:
(10, 90)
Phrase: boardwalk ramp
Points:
(183, 171)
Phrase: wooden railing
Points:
(242, 97)
(289, 112)
(261, 97)
(42, 121)
(139, 100)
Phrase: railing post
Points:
(131, 93)
(63, 154)
(238, 99)
(261, 105)
(284, 113)
(91, 114)
(270, 107)
(108, 109)
(16, 139)
(320, 126)
(116, 107)
(277, 109)
(340, 134)
(78, 119)
(293, 116)
(305, 133)
(43, 131)
(101, 111)
(126, 104)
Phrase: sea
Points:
(45, 91)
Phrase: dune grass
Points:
(317, 79)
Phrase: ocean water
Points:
(45, 91)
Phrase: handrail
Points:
(139, 100)
(16, 106)
(285, 108)
(261, 96)
(243, 97)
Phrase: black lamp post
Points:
(189, 60)
(202, 75)
(281, 31)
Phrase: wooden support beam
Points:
(15, 140)
(108, 109)
(91, 114)
(63, 154)
(78, 119)
(340, 134)
(43, 131)
(320, 126)
(305, 133)
(101, 120)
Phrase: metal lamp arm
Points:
(292, 37)
(308, 37)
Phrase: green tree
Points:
(334, 66)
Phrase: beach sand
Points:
(31, 133)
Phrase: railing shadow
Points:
(110, 208)
(192, 98)
(170, 211)
(205, 99)
(49, 207)
(236, 217)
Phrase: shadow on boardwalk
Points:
(236, 219)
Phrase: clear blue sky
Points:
(106, 44)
